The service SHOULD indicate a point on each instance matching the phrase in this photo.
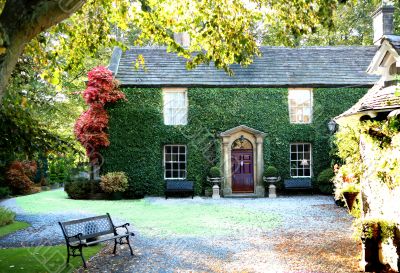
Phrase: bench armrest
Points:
(77, 236)
(122, 226)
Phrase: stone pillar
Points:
(260, 190)
(227, 185)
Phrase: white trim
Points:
(178, 161)
(311, 104)
(290, 160)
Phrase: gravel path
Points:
(315, 236)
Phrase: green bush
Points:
(5, 192)
(6, 216)
(81, 188)
(114, 182)
(324, 182)
(271, 171)
(215, 172)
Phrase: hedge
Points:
(138, 134)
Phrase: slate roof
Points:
(377, 99)
(277, 67)
(394, 40)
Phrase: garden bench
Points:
(85, 232)
(179, 186)
(297, 183)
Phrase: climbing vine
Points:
(137, 131)
(91, 127)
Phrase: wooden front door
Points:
(242, 171)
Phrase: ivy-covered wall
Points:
(137, 132)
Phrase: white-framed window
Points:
(300, 160)
(300, 105)
(175, 106)
(175, 161)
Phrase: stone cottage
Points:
(380, 193)
(177, 123)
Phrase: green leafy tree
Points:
(222, 31)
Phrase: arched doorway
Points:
(242, 163)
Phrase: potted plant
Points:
(271, 175)
(114, 184)
(215, 178)
(350, 192)
(373, 232)
(215, 174)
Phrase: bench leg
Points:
(129, 244)
(68, 254)
(115, 246)
(83, 259)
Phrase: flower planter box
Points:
(350, 198)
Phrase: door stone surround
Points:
(256, 138)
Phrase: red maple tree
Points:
(91, 127)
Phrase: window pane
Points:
(300, 147)
(182, 157)
(168, 166)
(175, 166)
(300, 172)
(168, 174)
(175, 149)
(307, 172)
(293, 156)
(182, 174)
(175, 174)
(182, 166)
(293, 148)
(168, 149)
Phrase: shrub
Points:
(81, 188)
(215, 172)
(324, 181)
(114, 182)
(6, 216)
(19, 174)
(271, 171)
(4, 192)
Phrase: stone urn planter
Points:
(270, 185)
(215, 181)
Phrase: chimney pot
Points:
(382, 22)
(182, 38)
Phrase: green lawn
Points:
(4, 230)
(41, 259)
(159, 219)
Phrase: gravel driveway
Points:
(314, 236)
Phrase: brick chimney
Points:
(182, 38)
(382, 22)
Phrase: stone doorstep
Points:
(242, 195)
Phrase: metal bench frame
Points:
(179, 186)
(75, 242)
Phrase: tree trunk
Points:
(23, 20)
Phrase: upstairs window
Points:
(174, 161)
(300, 160)
(175, 106)
(300, 105)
